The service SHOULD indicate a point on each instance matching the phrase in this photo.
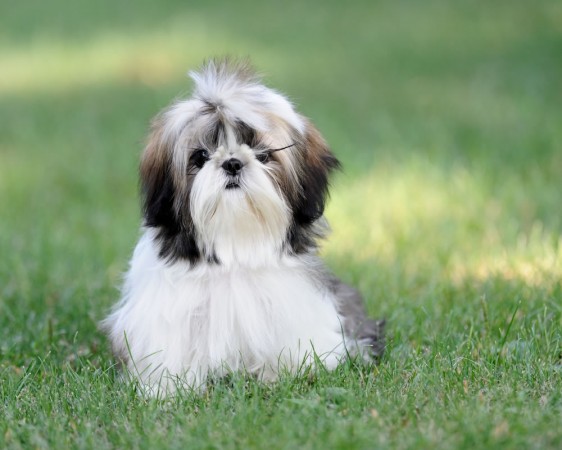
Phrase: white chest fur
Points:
(185, 322)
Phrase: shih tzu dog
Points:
(226, 275)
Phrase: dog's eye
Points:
(263, 157)
(199, 157)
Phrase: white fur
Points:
(243, 99)
(183, 323)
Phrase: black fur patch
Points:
(176, 245)
(301, 238)
(246, 134)
(308, 205)
(158, 205)
(217, 134)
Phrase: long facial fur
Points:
(231, 109)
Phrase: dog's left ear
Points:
(318, 163)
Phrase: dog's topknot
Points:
(233, 88)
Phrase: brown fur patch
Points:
(318, 154)
(317, 164)
(156, 156)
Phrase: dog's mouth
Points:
(232, 185)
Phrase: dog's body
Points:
(225, 276)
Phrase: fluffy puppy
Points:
(225, 276)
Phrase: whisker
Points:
(273, 150)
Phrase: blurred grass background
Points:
(447, 117)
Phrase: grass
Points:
(446, 116)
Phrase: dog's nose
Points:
(233, 166)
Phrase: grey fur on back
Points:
(356, 324)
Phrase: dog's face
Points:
(234, 174)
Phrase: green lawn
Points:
(447, 116)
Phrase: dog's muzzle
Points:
(232, 167)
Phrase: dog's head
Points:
(234, 174)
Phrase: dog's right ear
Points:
(177, 241)
(157, 187)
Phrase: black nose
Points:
(233, 166)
